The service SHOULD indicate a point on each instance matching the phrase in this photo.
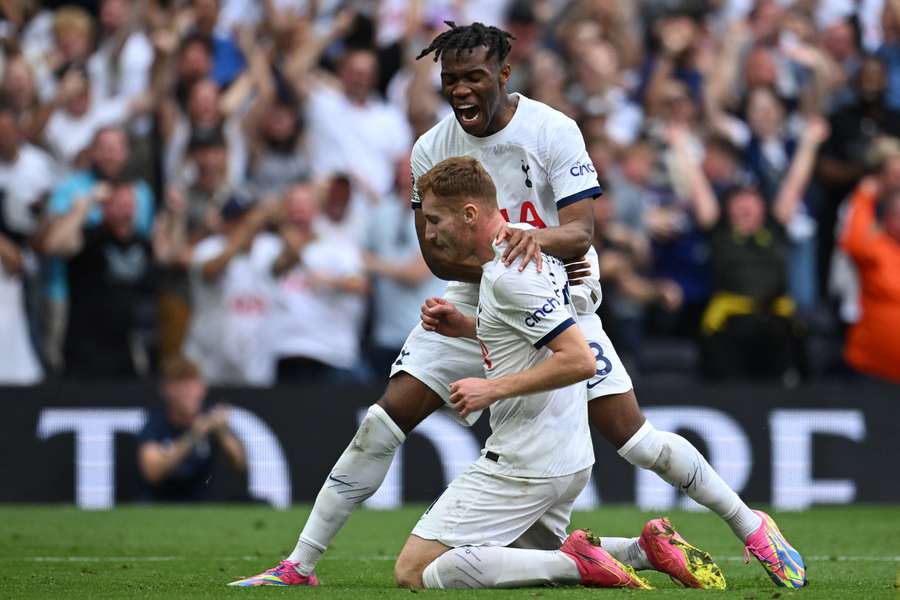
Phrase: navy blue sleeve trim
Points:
(415, 205)
(588, 193)
(555, 332)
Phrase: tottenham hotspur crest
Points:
(525, 169)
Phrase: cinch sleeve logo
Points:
(534, 318)
(581, 168)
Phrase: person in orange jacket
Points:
(872, 239)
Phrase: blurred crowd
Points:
(229, 180)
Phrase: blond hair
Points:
(179, 368)
(457, 179)
(72, 19)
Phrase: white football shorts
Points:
(482, 508)
(437, 361)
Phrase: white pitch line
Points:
(375, 558)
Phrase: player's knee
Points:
(617, 417)
(408, 572)
(407, 401)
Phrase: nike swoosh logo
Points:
(336, 480)
(594, 384)
(687, 486)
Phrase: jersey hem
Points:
(554, 332)
(588, 193)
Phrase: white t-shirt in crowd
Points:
(313, 322)
(19, 365)
(123, 74)
(366, 141)
(24, 182)
(538, 163)
(225, 335)
(178, 167)
(67, 135)
(544, 434)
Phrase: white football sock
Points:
(357, 474)
(498, 567)
(627, 551)
(680, 464)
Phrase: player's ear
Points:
(470, 213)
(505, 71)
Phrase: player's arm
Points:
(442, 317)
(571, 361)
(571, 239)
(574, 182)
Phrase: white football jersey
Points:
(543, 434)
(538, 163)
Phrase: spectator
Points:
(204, 114)
(748, 326)
(600, 91)
(182, 439)
(73, 125)
(120, 66)
(20, 90)
(317, 317)
(112, 282)
(228, 61)
(401, 280)
(347, 126)
(71, 44)
(230, 297)
(211, 187)
(769, 148)
(278, 149)
(120, 71)
(108, 155)
(27, 174)
(855, 129)
(872, 239)
(19, 365)
(189, 215)
(274, 130)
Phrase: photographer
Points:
(181, 440)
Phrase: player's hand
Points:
(521, 243)
(471, 395)
(578, 270)
(442, 317)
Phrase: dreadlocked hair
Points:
(467, 37)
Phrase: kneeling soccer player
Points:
(501, 523)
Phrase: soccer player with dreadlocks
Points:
(543, 176)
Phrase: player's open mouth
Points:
(468, 113)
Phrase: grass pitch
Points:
(192, 552)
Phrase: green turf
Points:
(139, 552)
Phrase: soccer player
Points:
(544, 177)
(538, 458)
